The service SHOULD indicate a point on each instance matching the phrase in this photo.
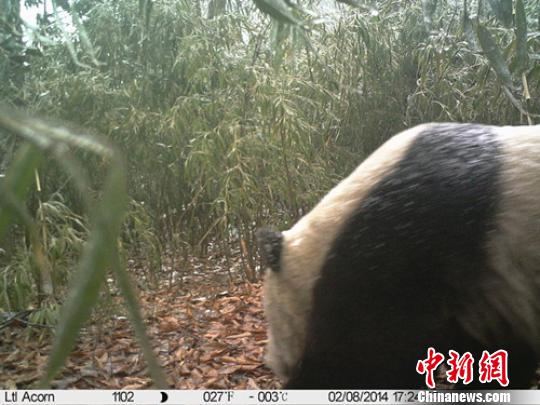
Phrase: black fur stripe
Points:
(387, 290)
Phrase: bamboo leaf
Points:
(277, 9)
(14, 188)
(494, 55)
(354, 3)
(216, 8)
(83, 37)
(128, 292)
(69, 44)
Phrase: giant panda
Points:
(433, 241)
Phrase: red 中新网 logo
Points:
(491, 367)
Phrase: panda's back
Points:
(450, 234)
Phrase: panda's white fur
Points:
(518, 241)
(288, 293)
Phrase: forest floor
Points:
(206, 331)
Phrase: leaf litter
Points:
(210, 337)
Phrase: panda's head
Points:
(285, 303)
(293, 259)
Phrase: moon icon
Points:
(164, 397)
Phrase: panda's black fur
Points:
(416, 263)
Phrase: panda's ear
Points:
(270, 243)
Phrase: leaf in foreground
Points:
(97, 257)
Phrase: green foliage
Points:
(522, 54)
(17, 283)
(502, 10)
(279, 9)
(15, 187)
(11, 45)
(60, 234)
(494, 55)
(56, 232)
(144, 246)
(229, 119)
